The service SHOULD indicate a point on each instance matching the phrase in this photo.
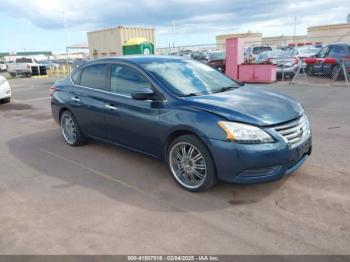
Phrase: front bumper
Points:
(5, 90)
(250, 164)
(287, 70)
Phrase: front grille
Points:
(267, 171)
(295, 131)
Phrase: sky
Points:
(34, 25)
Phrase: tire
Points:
(70, 129)
(12, 74)
(335, 73)
(196, 171)
(310, 70)
(6, 100)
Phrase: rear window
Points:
(76, 77)
(24, 60)
(94, 76)
(259, 49)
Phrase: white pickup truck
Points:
(26, 66)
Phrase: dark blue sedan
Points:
(206, 126)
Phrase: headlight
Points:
(2, 81)
(246, 134)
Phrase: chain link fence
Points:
(309, 63)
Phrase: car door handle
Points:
(111, 107)
(76, 99)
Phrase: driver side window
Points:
(323, 53)
(125, 80)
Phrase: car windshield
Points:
(190, 77)
(216, 56)
(260, 49)
(278, 54)
(308, 50)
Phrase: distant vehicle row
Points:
(5, 90)
(25, 66)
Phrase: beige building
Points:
(283, 40)
(109, 42)
(249, 39)
(325, 34)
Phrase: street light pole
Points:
(66, 34)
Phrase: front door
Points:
(133, 123)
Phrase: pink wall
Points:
(253, 73)
(234, 56)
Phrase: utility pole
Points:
(65, 32)
(174, 33)
(294, 27)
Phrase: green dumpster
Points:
(138, 46)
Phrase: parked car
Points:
(206, 126)
(186, 53)
(341, 52)
(286, 64)
(26, 66)
(199, 55)
(216, 59)
(304, 52)
(252, 52)
(50, 65)
(5, 90)
(3, 67)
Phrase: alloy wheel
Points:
(69, 129)
(187, 165)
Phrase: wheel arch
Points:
(184, 130)
(61, 111)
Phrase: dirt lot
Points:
(101, 199)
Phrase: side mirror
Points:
(143, 94)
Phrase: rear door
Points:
(133, 123)
(318, 67)
(88, 99)
(333, 52)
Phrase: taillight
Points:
(52, 90)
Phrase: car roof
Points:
(140, 59)
(339, 44)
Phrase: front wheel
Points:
(191, 164)
(336, 74)
(70, 129)
(310, 70)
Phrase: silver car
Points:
(286, 64)
(252, 52)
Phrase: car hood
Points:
(249, 104)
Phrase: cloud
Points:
(185, 16)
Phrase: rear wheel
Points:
(191, 164)
(310, 70)
(6, 100)
(336, 74)
(70, 129)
